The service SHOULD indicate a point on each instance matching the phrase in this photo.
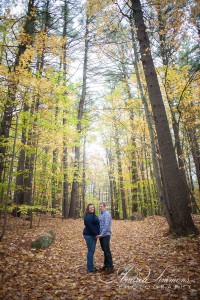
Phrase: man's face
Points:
(101, 207)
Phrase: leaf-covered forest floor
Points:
(148, 263)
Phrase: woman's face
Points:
(91, 208)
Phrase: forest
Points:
(99, 103)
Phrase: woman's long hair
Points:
(87, 208)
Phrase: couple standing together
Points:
(98, 228)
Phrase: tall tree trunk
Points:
(175, 123)
(120, 176)
(179, 150)
(144, 203)
(65, 198)
(53, 178)
(148, 116)
(26, 190)
(177, 194)
(65, 201)
(148, 185)
(32, 141)
(42, 198)
(9, 108)
(84, 176)
(181, 162)
(192, 137)
(74, 192)
(116, 197)
(190, 178)
(30, 158)
(133, 143)
(54, 168)
(111, 179)
(134, 178)
(9, 182)
(18, 195)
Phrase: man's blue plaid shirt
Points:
(105, 220)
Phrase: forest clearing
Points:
(148, 263)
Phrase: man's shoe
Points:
(109, 270)
(104, 268)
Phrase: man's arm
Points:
(106, 223)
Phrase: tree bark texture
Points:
(120, 177)
(12, 88)
(181, 221)
(149, 118)
(74, 192)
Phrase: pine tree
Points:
(179, 217)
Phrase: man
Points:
(105, 221)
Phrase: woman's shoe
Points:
(92, 271)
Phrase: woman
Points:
(90, 233)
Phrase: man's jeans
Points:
(105, 246)
(91, 245)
